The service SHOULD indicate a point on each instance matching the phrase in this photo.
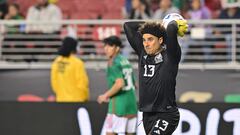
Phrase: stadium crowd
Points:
(127, 9)
(56, 10)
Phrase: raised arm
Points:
(175, 29)
(172, 41)
(133, 36)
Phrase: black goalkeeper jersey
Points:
(157, 74)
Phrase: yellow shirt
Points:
(69, 79)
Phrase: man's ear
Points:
(117, 48)
(160, 40)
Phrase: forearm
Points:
(172, 41)
(115, 88)
(173, 48)
(133, 36)
(172, 29)
(133, 25)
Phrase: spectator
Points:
(126, 10)
(122, 107)
(165, 7)
(13, 14)
(228, 13)
(3, 8)
(44, 11)
(199, 11)
(185, 7)
(140, 10)
(69, 79)
(154, 5)
(214, 6)
(178, 3)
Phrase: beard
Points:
(151, 52)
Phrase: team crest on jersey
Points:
(145, 56)
(158, 58)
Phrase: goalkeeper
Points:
(159, 54)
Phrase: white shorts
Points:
(116, 124)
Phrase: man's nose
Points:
(146, 43)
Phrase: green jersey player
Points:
(122, 108)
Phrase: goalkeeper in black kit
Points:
(159, 55)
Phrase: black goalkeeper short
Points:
(160, 123)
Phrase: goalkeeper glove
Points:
(182, 27)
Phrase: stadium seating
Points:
(82, 9)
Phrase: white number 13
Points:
(149, 70)
(162, 126)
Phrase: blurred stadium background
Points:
(208, 83)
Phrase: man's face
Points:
(135, 4)
(12, 10)
(196, 4)
(42, 2)
(151, 43)
(110, 51)
(165, 4)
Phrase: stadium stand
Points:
(90, 33)
(76, 9)
(92, 24)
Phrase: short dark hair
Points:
(113, 40)
(69, 45)
(153, 28)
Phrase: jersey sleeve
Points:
(133, 36)
(173, 48)
(117, 71)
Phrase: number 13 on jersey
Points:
(149, 70)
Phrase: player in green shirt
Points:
(122, 108)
